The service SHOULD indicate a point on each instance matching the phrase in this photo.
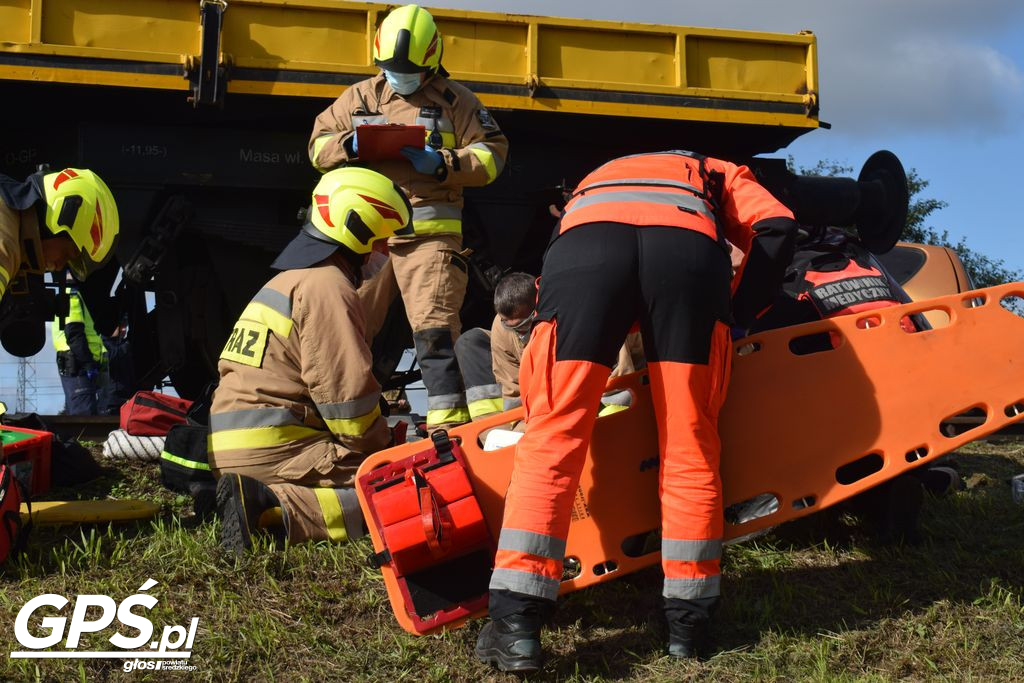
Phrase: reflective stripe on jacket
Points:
(710, 196)
(675, 188)
(667, 188)
(78, 313)
(296, 367)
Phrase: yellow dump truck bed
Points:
(314, 48)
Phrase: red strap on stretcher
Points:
(436, 529)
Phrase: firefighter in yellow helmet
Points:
(297, 408)
(48, 222)
(463, 148)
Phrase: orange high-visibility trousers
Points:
(597, 281)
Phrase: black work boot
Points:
(511, 643)
(687, 639)
(939, 481)
(895, 510)
(244, 505)
(689, 624)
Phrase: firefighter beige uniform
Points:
(13, 225)
(506, 354)
(428, 268)
(297, 407)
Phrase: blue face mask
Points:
(403, 84)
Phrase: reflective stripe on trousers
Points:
(483, 401)
(446, 400)
(320, 514)
(483, 393)
(340, 509)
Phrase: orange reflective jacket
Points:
(676, 188)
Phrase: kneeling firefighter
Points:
(297, 408)
(48, 222)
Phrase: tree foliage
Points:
(984, 270)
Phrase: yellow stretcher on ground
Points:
(88, 511)
(808, 430)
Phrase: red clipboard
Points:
(380, 142)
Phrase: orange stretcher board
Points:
(811, 430)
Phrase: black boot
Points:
(241, 503)
(511, 643)
(687, 639)
(939, 481)
(896, 519)
(688, 626)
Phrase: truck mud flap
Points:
(800, 432)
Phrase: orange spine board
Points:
(791, 427)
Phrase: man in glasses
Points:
(489, 359)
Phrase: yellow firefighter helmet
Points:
(80, 205)
(408, 42)
(352, 207)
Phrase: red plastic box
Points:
(27, 451)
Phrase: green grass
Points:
(803, 603)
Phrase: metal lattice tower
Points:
(26, 397)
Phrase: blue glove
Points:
(355, 144)
(426, 160)
(92, 372)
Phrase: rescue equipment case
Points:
(437, 545)
(150, 413)
(13, 530)
(185, 459)
(27, 453)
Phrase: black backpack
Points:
(185, 466)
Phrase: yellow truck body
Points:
(280, 47)
(198, 113)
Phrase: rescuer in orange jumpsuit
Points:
(642, 240)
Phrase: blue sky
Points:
(938, 82)
(49, 396)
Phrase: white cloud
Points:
(923, 83)
(886, 66)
